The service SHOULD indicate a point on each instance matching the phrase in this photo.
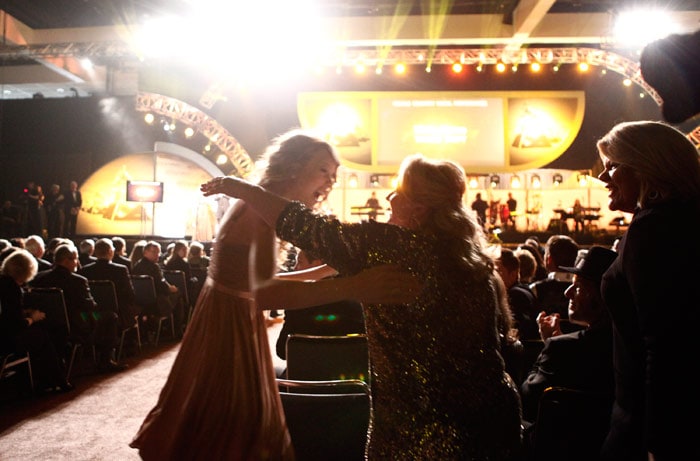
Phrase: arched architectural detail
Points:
(198, 120)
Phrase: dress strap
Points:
(210, 282)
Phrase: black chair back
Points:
(53, 304)
(318, 358)
(177, 278)
(104, 294)
(326, 419)
(144, 291)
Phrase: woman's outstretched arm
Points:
(266, 204)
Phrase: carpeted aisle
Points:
(96, 421)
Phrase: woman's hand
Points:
(387, 284)
(227, 185)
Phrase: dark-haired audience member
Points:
(540, 269)
(21, 328)
(106, 269)
(52, 245)
(168, 301)
(73, 201)
(521, 299)
(136, 252)
(177, 262)
(120, 253)
(87, 248)
(88, 324)
(561, 250)
(35, 245)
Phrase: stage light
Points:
(428, 69)
(514, 68)
(473, 182)
(400, 68)
(189, 132)
(495, 180)
(149, 118)
(535, 67)
(556, 68)
(515, 182)
(500, 67)
(353, 181)
(207, 148)
(221, 159)
(378, 70)
(627, 82)
(557, 179)
(582, 179)
(479, 68)
(583, 67)
(360, 68)
(535, 182)
(457, 67)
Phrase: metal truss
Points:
(199, 121)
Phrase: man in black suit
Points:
(88, 325)
(72, 202)
(105, 269)
(168, 297)
(580, 360)
(120, 253)
(86, 250)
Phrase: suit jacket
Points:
(12, 318)
(76, 292)
(42, 264)
(579, 360)
(124, 261)
(103, 269)
(146, 267)
(69, 202)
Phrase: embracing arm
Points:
(266, 204)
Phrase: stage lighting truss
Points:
(200, 122)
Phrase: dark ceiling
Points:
(56, 14)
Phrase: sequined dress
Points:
(438, 383)
(220, 401)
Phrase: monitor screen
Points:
(144, 191)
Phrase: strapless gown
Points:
(220, 401)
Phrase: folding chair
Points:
(319, 358)
(105, 296)
(14, 359)
(326, 419)
(147, 299)
(51, 301)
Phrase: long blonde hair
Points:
(439, 185)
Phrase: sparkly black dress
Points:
(439, 387)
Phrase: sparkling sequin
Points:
(439, 389)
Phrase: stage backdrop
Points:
(182, 212)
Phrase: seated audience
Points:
(35, 245)
(522, 301)
(528, 266)
(168, 297)
(120, 253)
(87, 248)
(561, 250)
(196, 256)
(88, 324)
(21, 328)
(136, 252)
(105, 269)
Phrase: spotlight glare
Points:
(627, 82)
(457, 67)
(535, 67)
(149, 118)
(583, 66)
(500, 67)
(189, 132)
(221, 159)
(400, 68)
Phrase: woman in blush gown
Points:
(220, 400)
(439, 386)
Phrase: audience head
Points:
(647, 163)
(35, 245)
(87, 246)
(528, 265)
(104, 249)
(179, 250)
(293, 162)
(195, 250)
(17, 242)
(137, 251)
(508, 266)
(151, 251)
(561, 251)
(119, 245)
(585, 301)
(20, 265)
(55, 242)
(66, 256)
